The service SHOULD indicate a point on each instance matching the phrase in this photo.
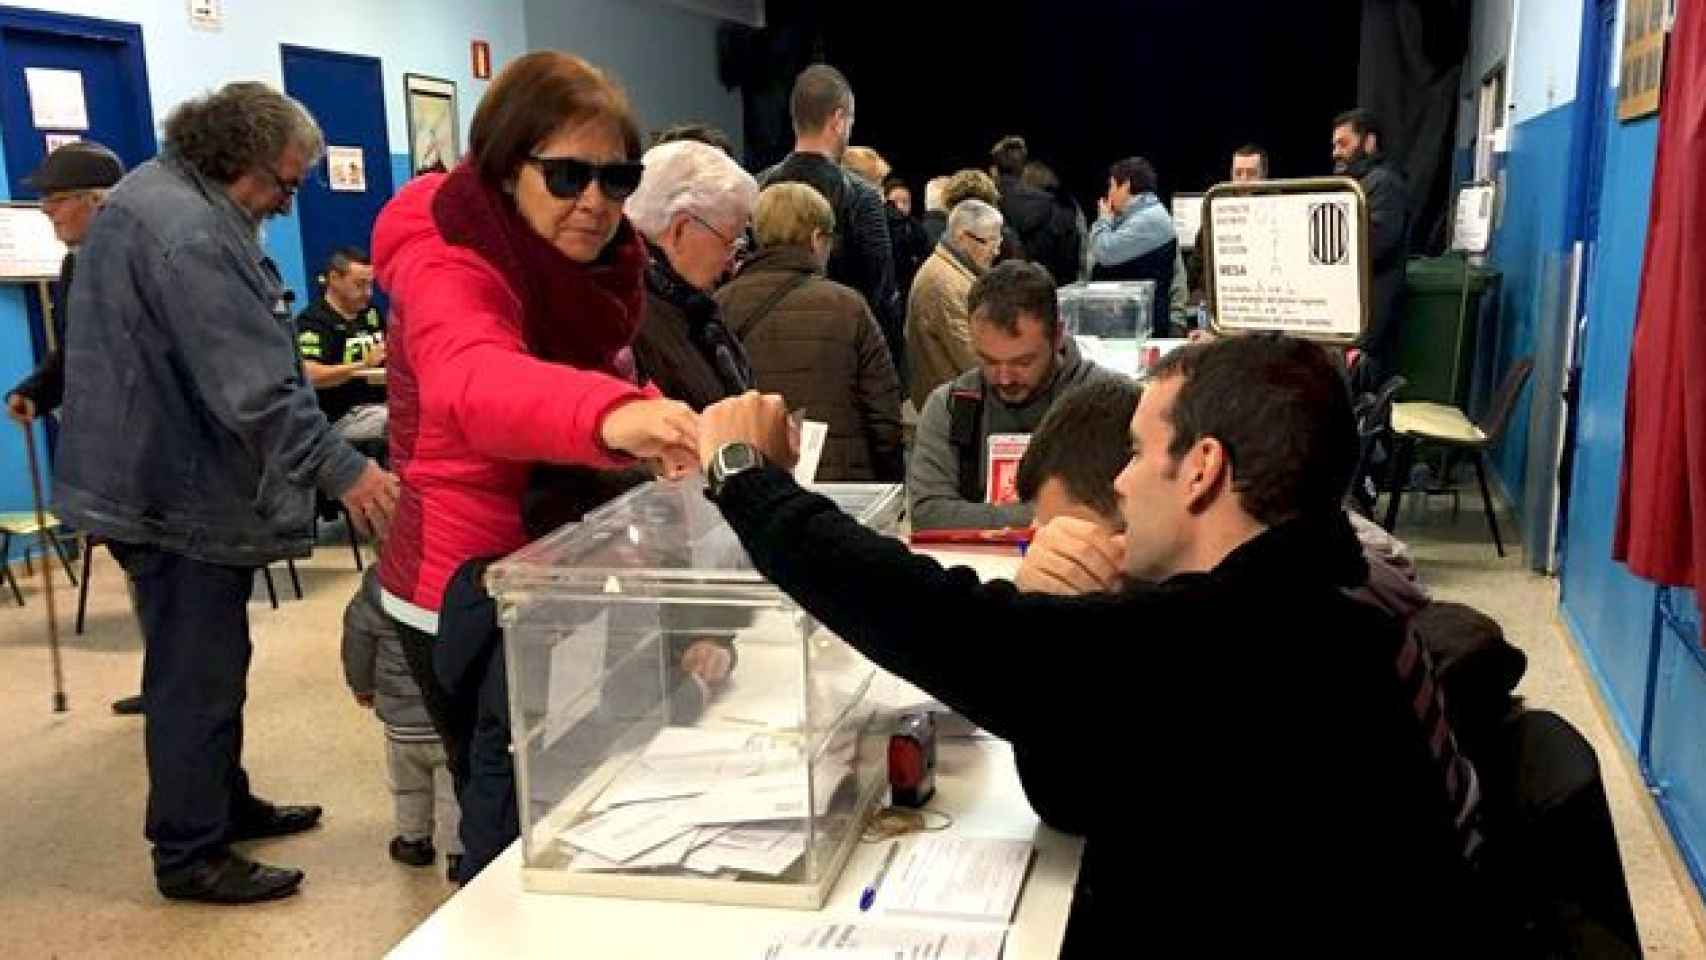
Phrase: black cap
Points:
(80, 165)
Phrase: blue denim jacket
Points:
(188, 423)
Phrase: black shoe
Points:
(263, 820)
(229, 878)
(415, 853)
(128, 706)
(453, 867)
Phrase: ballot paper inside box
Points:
(682, 730)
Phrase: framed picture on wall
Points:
(1644, 25)
(434, 128)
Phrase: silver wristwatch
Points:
(729, 460)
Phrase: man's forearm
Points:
(324, 376)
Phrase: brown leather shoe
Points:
(230, 878)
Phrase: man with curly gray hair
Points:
(192, 444)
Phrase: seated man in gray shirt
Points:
(1025, 361)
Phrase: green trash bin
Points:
(1436, 345)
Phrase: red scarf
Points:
(581, 314)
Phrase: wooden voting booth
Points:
(1288, 256)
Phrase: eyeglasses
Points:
(568, 177)
(728, 241)
(286, 187)
(986, 241)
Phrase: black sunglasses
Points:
(566, 177)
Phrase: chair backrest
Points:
(1504, 402)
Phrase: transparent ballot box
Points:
(682, 730)
(1111, 320)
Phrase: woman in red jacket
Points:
(516, 286)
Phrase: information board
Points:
(1288, 257)
(1187, 218)
(28, 249)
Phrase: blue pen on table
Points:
(869, 896)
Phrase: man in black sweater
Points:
(1358, 142)
(863, 258)
(1242, 745)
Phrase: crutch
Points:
(46, 573)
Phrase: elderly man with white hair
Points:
(938, 322)
(692, 207)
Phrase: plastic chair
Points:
(1435, 424)
(23, 524)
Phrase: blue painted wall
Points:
(1534, 227)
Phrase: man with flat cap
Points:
(73, 183)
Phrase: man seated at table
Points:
(1251, 739)
(1025, 361)
(340, 337)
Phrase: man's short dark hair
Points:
(1137, 173)
(1012, 289)
(700, 132)
(1253, 150)
(1281, 409)
(819, 91)
(892, 182)
(1084, 442)
(1362, 122)
(1009, 155)
(342, 257)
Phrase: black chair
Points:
(327, 509)
(1374, 422)
(1551, 857)
(91, 542)
(1435, 424)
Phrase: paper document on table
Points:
(859, 941)
(577, 664)
(960, 878)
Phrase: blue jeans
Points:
(195, 668)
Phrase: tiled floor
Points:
(74, 875)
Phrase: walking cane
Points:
(46, 573)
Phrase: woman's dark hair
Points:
(534, 97)
(1136, 173)
(1281, 409)
(239, 128)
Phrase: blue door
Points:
(107, 59)
(344, 93)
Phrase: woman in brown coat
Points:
(813, 340)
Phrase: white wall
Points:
(1548, 44)
(408, 36)
(665, 56)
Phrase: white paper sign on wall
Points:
(347, 168)
(207, 14)
(56, 99)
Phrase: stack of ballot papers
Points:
(859, 941)
(957, 878)
(705, 801)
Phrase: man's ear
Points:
(1208, 470)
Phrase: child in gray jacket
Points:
(379, 677)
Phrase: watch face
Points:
(736, 456)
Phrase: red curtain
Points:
(1661, 509)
